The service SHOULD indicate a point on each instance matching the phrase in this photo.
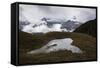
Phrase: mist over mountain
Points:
(22, 24)
(43, 19)
(49, 25)
(70, 25)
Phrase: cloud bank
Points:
(42, 28)
(34, 14)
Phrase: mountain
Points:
(49, 25)
(50, 22)
(22, 24)
(70, 25)
(89, 28)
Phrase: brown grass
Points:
(85, 42)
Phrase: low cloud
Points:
(34, 13)
(42, 28)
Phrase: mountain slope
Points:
(28, 42)
(89, 28)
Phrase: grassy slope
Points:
(29, 42)
(89, 28)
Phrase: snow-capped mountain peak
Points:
(49, 25)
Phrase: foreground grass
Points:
(85, 42)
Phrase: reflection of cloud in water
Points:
(56, 45)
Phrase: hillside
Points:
(89, 28)
(28, 42)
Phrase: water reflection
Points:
(56, 45)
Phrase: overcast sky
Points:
(34, 13)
